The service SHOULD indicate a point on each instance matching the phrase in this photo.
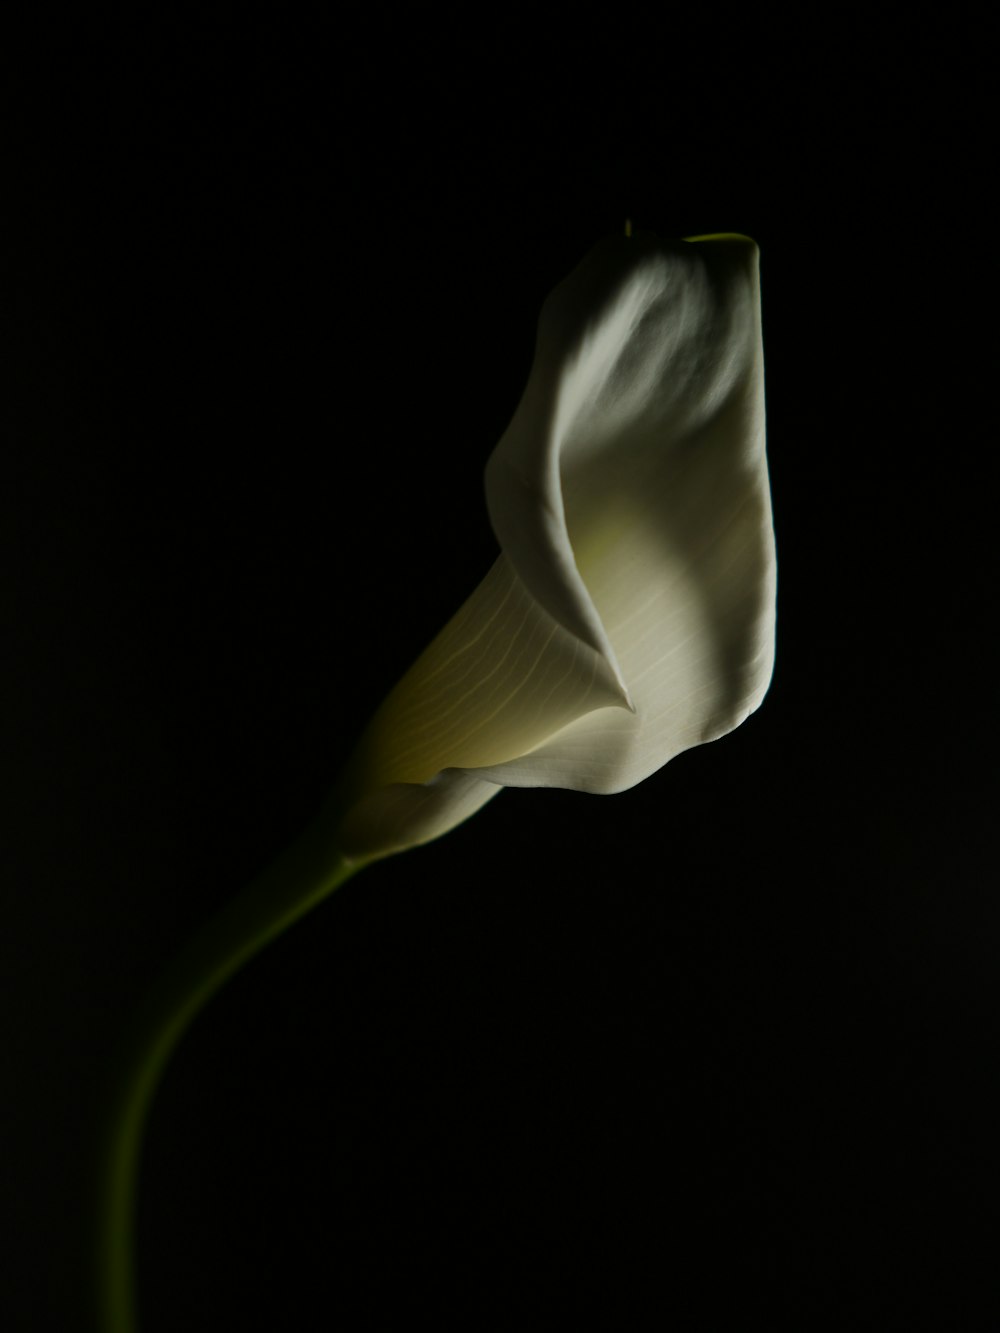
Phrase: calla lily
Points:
(630, 614)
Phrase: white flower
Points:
(630, 614)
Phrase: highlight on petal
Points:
(630, 614)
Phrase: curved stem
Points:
(305, 873)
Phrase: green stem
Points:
(305, 873)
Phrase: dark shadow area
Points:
(720, 1050)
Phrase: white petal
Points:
(631, 501)
(665, 491)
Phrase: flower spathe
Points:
(630, 614)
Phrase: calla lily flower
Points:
(628, 617)
(630, 614)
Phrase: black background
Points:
(719, 1050)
